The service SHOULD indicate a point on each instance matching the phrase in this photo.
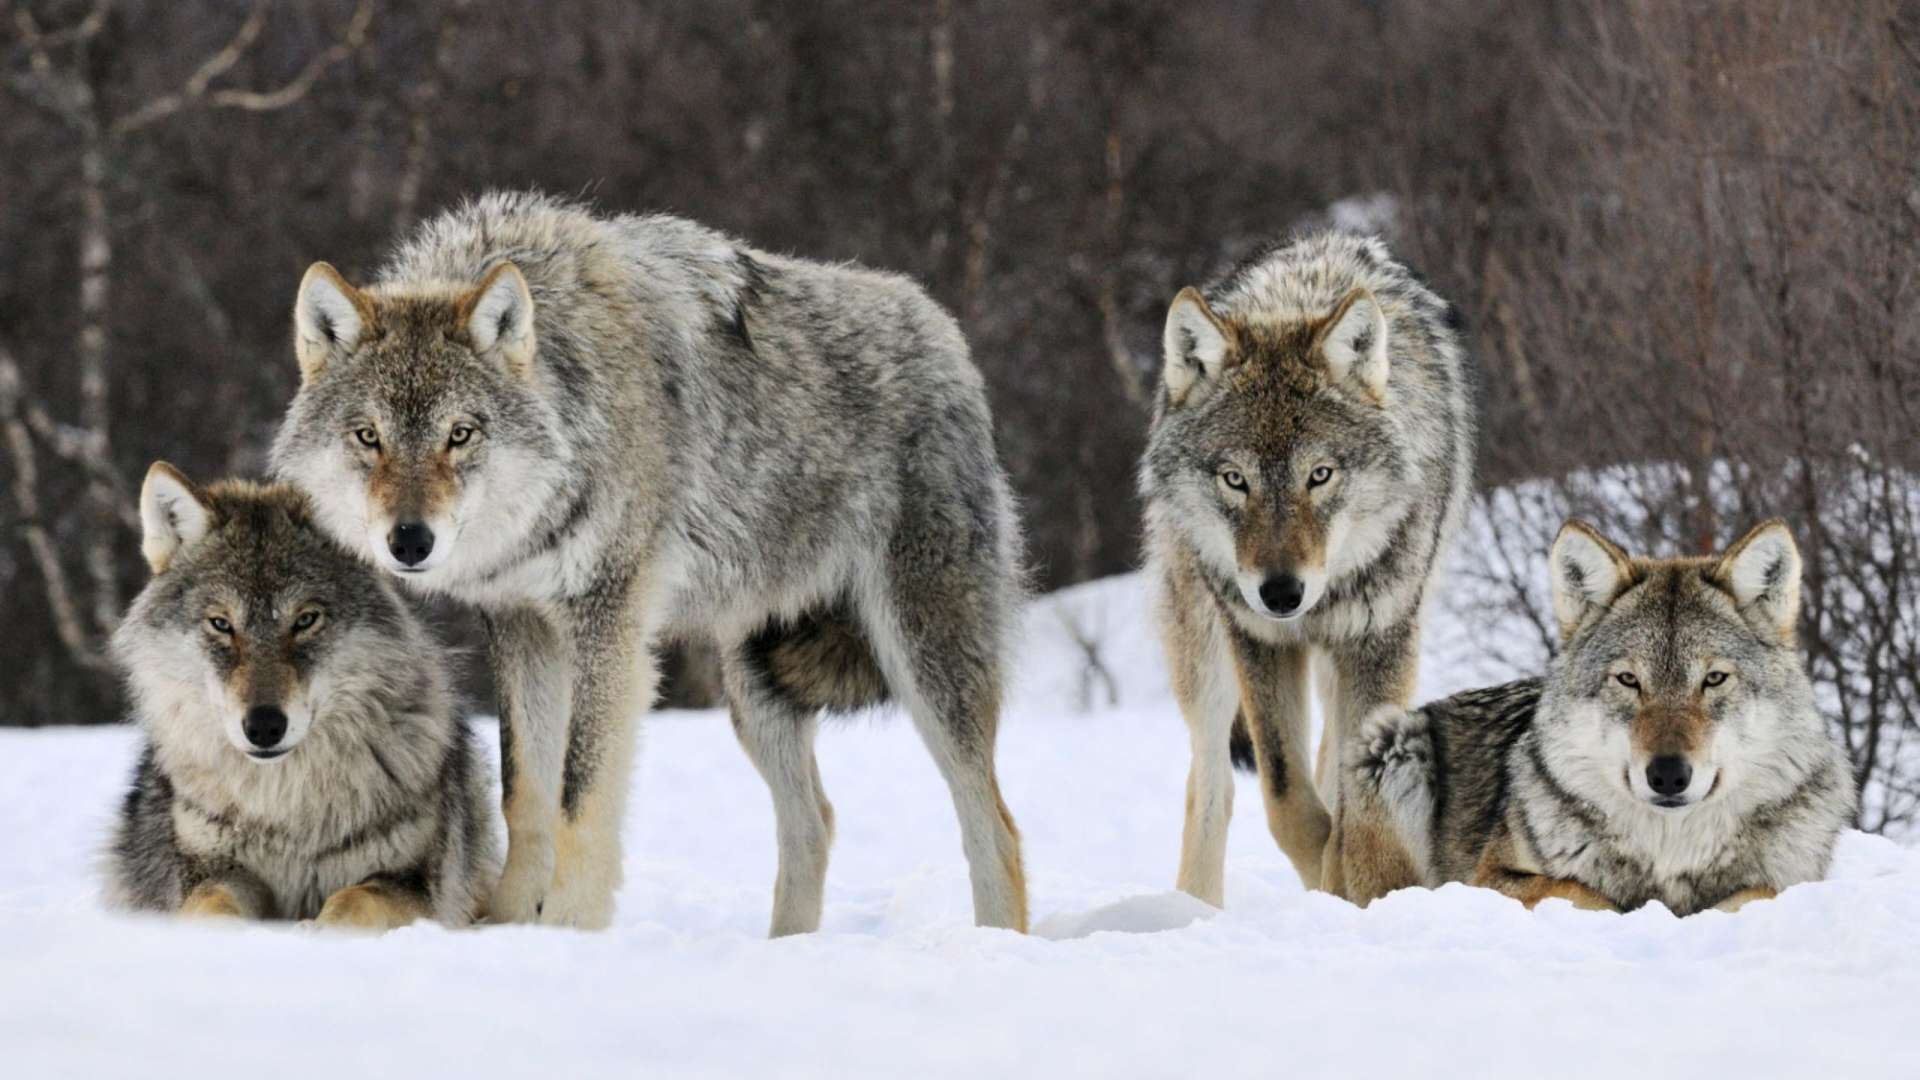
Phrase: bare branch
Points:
(67, 622)
(196, 91)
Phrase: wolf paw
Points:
(523, 885)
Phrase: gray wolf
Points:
(1309, 460)
(302, 758)
(1672, 753)
(612, 431)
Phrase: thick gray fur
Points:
(383, 786)
(791, 459)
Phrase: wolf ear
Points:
(1353, 341)
(1587, 570)
(1199, 345)
(329, 317)
(173, 514)
(498, 315)
(1762, 570)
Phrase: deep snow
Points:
(1121, 978)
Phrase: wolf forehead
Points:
(1674, 610)
(414, 347)
(262, 541)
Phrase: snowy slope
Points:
(1123, 978)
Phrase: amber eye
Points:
(368, 437)
(1627, 680)
(1233, 479)
(220, 624)
(306, 620)
(460, 435)
(1319, 476)
(1715, 678)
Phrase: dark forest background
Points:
(1684, 235)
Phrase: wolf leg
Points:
(939, 640)
(777, 734)
(1531, 889)
(377, 904)
(1746, 896)
(1273, 698)
(229, 896)
(1201, 666)
(1367, 857)
(614, 678)
(532, 672)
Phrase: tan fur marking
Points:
(212, 901)
(1746, 896)
(372, 906)
(1496, 872)
(1013, 866)
(1668, 728)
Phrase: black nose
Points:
(411, 542)
(1281, 593)
(1669, 774)
(264, 725)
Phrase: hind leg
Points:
(1203, 683)
(939, 642)
(777, 734)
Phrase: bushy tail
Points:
(1395, 773)
(823, 661)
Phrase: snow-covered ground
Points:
(1121, 978)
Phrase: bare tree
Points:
(60, 78)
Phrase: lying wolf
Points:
(1671, 753)
(303, 760)
(613, 431)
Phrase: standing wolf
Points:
(1673, 751)
(303, 759)
(1310, 458)
(611, 431)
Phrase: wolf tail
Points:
(1240, 745)
(822, 661)
(1396, 772)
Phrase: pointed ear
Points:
(1353, 340)
(1762, 571)
(1587, 570)
(498, 315)
(1199, 345)
(173, 514)
(328, 318)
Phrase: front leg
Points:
(533, 675)
(230, 894)
(1531, 889)
(1746, 896)
(1273, 699)
(377, 904)
(1200, 665)
(613, 682)
(1367, 858)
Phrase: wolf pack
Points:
(611, 433)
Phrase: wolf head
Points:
(1273, 451)
(419, 428)
(1680, 680)
(254, 622)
